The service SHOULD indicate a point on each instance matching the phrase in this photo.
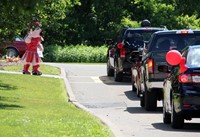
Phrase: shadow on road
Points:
(131, 95)
(134, 110)
(110, 81)
(188, 127)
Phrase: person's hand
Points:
(40, 47)
(35, 33)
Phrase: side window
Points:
(193, 57)
(148, 45)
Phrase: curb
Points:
(20, 73)
(116, 132)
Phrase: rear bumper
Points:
(195, 100)
(187, 114)
(124, 65)
(188, 105)
(156, 84)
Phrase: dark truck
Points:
(151, 76)
(125, 49)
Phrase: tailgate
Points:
(159, 59)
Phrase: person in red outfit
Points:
(31, 57)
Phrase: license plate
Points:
(196, 79)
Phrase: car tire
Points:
(166, 115)
(134, 89)
(142, 101)
(118, 76)
(142, 98)
(138, 91)
(150, 100)
(177, 120)
(110, 71)
(10, 52)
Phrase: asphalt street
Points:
(116, 105)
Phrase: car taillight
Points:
(122, 52)
(185, 78)
(189, 78)
(120, 45)
(150, 66)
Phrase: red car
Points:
(14, 48)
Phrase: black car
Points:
(150, 78)
(125, 50)
(181, 88)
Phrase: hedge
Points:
(75, 53)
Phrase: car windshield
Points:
(138, 37)
(175, 41)
(193, 57)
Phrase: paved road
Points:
(115, 102)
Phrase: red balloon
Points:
(173, 57)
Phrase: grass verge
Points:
(32, 106)
(45, 69)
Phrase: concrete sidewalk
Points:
(116, 132)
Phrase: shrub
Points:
(75, 53)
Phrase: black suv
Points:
(182, 86)
(151, 76)
(125, 49)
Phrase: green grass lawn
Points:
(33, 106)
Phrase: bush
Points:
(75, 53)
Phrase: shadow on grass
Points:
(4, 86)
(9, 106)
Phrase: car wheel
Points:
(142, 101)
(138, 88)
(166, 115)
(177, 120)
(150, 100)
(142, 98)
(10, 52)
(110, 71)
(118, 76)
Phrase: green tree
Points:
(13, 14)
(93, 21)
